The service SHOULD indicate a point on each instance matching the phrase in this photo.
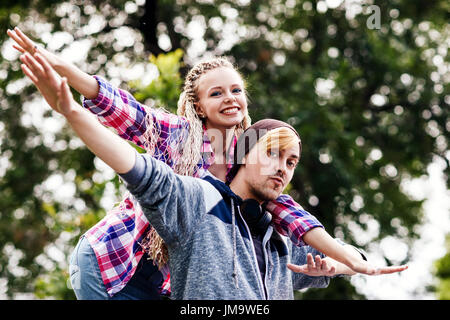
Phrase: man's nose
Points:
(281, 168)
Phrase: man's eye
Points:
(273, 154)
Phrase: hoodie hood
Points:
(224, 189)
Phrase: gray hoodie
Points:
(211, 252)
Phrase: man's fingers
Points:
(325, 265)
(318, 262)
(44, 63)
(29, 73)
(332, 270)
(310, 261)
(31, 63)
(297, 269)
(66, 94)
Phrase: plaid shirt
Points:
(116, 238)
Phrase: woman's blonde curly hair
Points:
(189, 154)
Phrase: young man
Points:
(220, 241)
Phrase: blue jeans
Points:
(86, 279)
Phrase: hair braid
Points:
(189, 154)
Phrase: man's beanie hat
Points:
(250, 137)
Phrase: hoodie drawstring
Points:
(233, 224)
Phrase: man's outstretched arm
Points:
(173, 203)
(114, 151)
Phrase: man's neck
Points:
(241, 189)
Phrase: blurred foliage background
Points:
(442, 272)
(368, 93)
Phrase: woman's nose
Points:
(229, 97)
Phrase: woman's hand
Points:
(113, 150)
(25, 44)
(366, 268)
(329, 267)
(82, 82)
(52, 87)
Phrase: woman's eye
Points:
(237, 90)
(215, 93)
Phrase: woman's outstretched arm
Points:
(114, 151)
(114, 107)
(82, 82)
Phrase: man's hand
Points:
(54, 89)
(315, 267)
(113, 150)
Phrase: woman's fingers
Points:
(388, 270)
(29, 44)
(24, 44)
(15, 37)
(19, 48)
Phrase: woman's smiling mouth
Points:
(231, 110)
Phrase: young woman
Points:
(212, 112)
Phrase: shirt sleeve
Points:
(133, 121)
(291, 220)
(172, 203)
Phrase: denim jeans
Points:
(86, 279)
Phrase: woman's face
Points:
(222, 99)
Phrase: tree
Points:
(367, 94)
(442, 273)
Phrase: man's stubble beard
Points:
(263, 193)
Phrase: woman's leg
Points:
(85, 276)
(87, 282)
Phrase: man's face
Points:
(267, 173)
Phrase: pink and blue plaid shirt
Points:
(116, 238)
